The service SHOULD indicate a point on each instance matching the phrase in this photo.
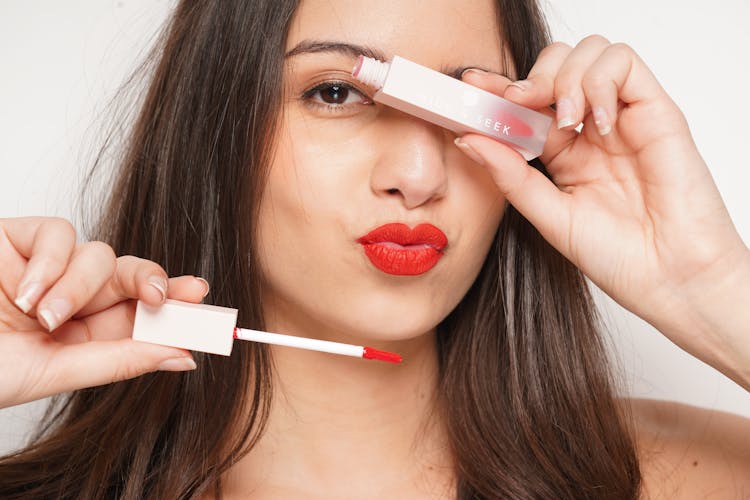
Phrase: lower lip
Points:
(408, 260)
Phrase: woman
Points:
(258, 163)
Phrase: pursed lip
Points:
(395, 248)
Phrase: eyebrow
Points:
(354, 50)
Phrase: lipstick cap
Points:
(197, 327)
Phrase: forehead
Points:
(435, 33)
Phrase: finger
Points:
(526, 188)
(12, 264)
(569, 96)
(137, 278)
(537, 91)
(491, 82)
(189, 288)
(78, 285)
(91, 364)
(112, 324)
(618, 74)
(134, 278)
(557, 140)
(116, 320)
(496, 84)
(47, 243)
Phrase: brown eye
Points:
(334, 94)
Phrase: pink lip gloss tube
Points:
(453, 104)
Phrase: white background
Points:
(60, 63)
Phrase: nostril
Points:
(392, 191)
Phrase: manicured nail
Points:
(566, 109)
(205, 284)
(52, 313)
(160, 284)
(601, 120)
(524, 85)
(28, 294)
(469, 151)
(476, 71)
(177, 365)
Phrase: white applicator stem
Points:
(301, 342)
(356, 351)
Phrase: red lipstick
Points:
(396, 249)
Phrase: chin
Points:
(392, 320)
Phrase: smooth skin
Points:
(616, 208)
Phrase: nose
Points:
(412, 164)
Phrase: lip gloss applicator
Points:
(453, 104)
(208, 328)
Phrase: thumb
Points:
(88, 364)
(534, 196)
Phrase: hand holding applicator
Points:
(208, 328)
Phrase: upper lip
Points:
(422, 234)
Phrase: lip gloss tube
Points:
(453, 104)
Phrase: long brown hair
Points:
(525, 383)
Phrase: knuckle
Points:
(103, 251)
(126, 261)
(566, 82)
(82, 285)
(124, 367)
(596, 79)
(557, 47)
(568, 87)
(52, 263)
(62, 224)
(622, 48)
(544, 81)
(151, 266)
(127, 258)
(594, 39)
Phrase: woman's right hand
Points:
(67, 310)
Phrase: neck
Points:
(358, 427)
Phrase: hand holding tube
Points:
(66, 311)
(631, 201)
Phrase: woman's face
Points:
(345, 166)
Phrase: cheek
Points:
(482, 205)
(320, 160)
(318, 176)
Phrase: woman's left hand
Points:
(632, 203)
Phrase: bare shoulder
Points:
(690, 452)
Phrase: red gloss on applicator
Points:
(370, 353)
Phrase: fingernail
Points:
(205, 284)
(524, 85)
(476, 71)
(601, 120)
(52, 313)
(28, 294)
(180, 364)
(160, 284)
(566, 109)
(469, 151)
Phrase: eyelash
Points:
(332, 108)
